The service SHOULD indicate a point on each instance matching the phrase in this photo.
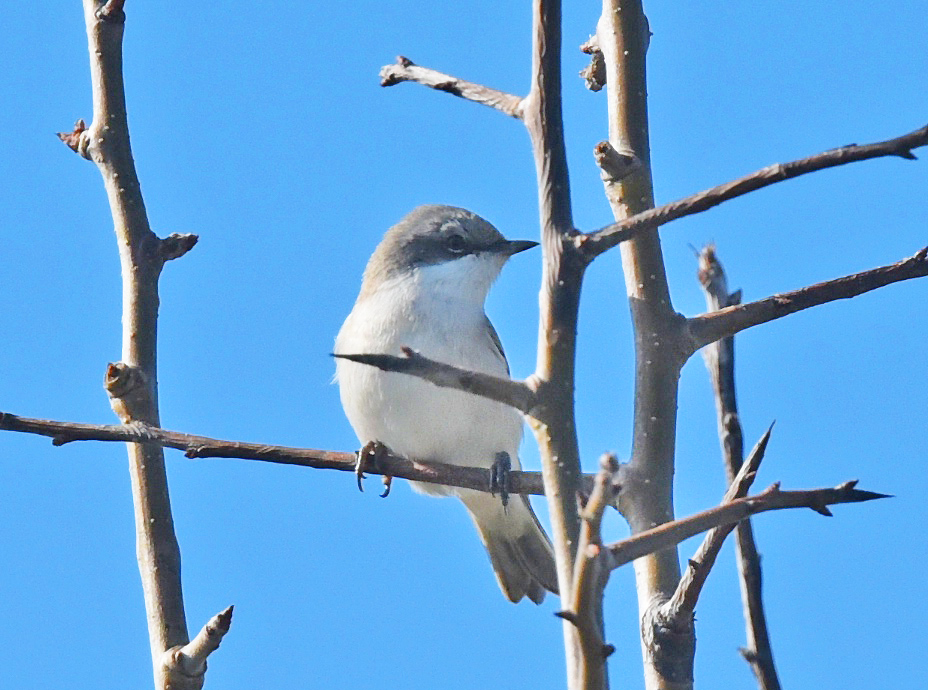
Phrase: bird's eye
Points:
(456, 244)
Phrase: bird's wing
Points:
(494, 337)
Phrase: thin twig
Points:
(595, 243)
(772, 498)
(683, 602)
(405, 69)
(707, 328)
(516, 394)
(720, 360)
(193, 446)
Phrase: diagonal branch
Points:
(405, 69)
(708, 328)
(671, 533)
(477, 478)
(682, 604)
(720, 360)
(595, 243)
(513, 393)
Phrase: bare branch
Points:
(106, 143)
(707, 328)
(720, 360)
(683, 602)
(513, 393)
(623, 36)
(477, 478)
(405, 69)
(553, 422)
(591, 573)
(595, 243)
(672, 533)
(182, 663)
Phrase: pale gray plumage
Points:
(424, 287)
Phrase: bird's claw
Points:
(387, 485)
(499, 477)
(368, 458)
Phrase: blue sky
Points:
(264, 130)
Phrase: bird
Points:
(424, 288)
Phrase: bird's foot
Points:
(368, 458)
(499, 477)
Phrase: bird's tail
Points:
(519, 549)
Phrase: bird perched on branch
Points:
(424, 288)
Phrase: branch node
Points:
(129, 391)
(176, 245)
(594, 74)
(112, 11)
(568, 616)
(614, 166)
(77, 140)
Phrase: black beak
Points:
(510, 247)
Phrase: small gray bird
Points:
(425, 288)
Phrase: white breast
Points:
(412, 417)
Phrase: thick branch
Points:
(529, 483)
(552, 417)
(405, 69)
(623, 37)
(594, 244)
(672, 533)
(710, 327)
(553, 422)
(106, 143)
(513, 393)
